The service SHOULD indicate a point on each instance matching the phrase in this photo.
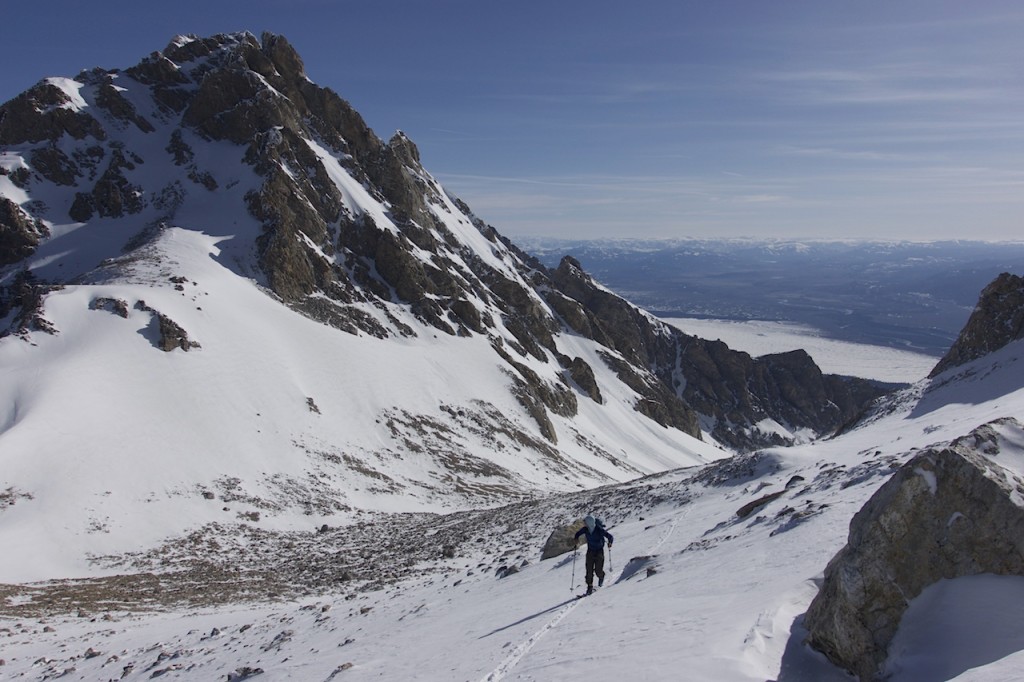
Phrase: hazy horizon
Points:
(800, 120)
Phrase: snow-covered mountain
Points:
(225, 300)
(711, 571)
(274, 404)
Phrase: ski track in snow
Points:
(524, 647)
(665, 536)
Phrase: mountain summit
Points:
(218, 283)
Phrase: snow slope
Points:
(297, 422)
(694, 590)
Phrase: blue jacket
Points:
(595, 540)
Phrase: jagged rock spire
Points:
(998, 319)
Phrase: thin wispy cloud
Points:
(866, 155)
(838, 119)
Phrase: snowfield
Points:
(284, 423)
(694, 590)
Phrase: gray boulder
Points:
(561, 540)
(945, 514)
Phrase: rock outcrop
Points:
(19, 234)
(731, 390)
(561, 540)
(947, 513)
(998, 319)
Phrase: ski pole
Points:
(572, 585)
(610, 569)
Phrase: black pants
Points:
(595, 564)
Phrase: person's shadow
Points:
(529, 618)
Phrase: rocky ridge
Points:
(998, 319)
(353, 232)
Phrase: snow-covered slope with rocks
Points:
(224, 300)
(268, 422)
(273, 403)
(173, 360)
(708, 578)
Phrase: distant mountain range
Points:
(907, 295)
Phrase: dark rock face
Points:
(109, 98)
(26, 297)
(169, 334)
(998, 319)
(19, 234)
(946, 513)
(583, 375)
(42, 113)
(173, 336)
(731, 389)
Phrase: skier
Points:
(594, 530)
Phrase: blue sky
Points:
(668, 118)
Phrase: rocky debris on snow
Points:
(947, 513)
(170, 333)
(279, 640)
(10, 497)
(340, 669)
(739, 469)
(28, 297)
(244, 673)
(505, 571)
(752, 506)
(378, 553)
(117, 306)
(998, 319)
(173, 336)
